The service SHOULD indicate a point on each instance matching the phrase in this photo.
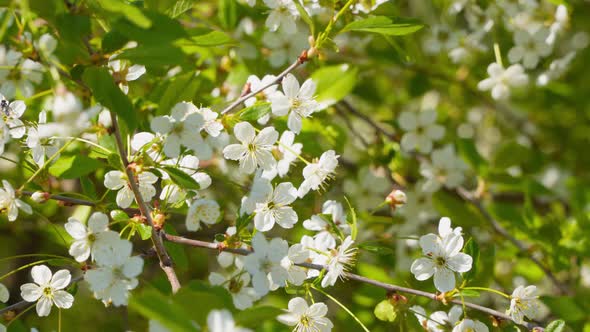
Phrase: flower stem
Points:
(488, 290)
(343, 307)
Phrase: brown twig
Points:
(165, 260)
(389, 287)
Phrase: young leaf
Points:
(472, 249)
(555, 326)
(255, 112)
(182, 179)
(145, 231)
(107, 93)
(384, 25)
(73, 167)
(334, 83)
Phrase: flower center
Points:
(48, 292)
(305, 321)
(440, 261)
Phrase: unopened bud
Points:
(159, 220)
(396, 198)
(40, 197)
(311, 52)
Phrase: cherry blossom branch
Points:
(165, 260)
(300, 60)
(389, 287)
(21, 304)
(475, 201)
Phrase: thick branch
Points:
(300, 60)
(394, 288)
(165, 260)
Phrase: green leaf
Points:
(227, 12)
(180, 7)
(555, 326)
(305, 16)
(566, 308)
(256, 111)
(384, 25)
(179, 88)
(107, 93)
(353, 222)
(163, 31)
(376, 249)
(472, 249)
(468, 150)
(252, 317)
(145, 231)
(211, 38)
(334, 83)
(154, 55)
(460, 212)
(119, 215)
(385, 311)
(113, 41)
(73, 167)
(182, 179)
(154, 305)
(130, 12)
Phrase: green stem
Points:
(343, 307)
(488, 290)
(47, 162)
(326, 34)
(26, 266)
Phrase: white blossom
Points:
(11, 113)
(123, 72)
(306, 318)
(237, 285)
(117, 180)
(254, 150)
(10, 204)
(339, 262)
(275, 207)
(316, 173)
(116, 273)
(47, 290)
(524, 302)
(296, 101)
(264, 264)
(182, 127)
(501, 80)
(87, 238)
(283, 14)
(202, 210)
(289, 151)
(529, 47)
(438, 321)
(469, 325)
(421, 130)
(222, 321)
(297, 254)
(445, 169)
(442, 259)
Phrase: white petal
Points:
(422, 268)
(444, 280)
(244, 132)
(61, 279)
(30, 292)
(44, 307)
(41, 274)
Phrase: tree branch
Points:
(165, 260)
(389, 287)
(300, 60)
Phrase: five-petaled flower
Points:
(47, 290)
(306, 318)
(254, 150)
